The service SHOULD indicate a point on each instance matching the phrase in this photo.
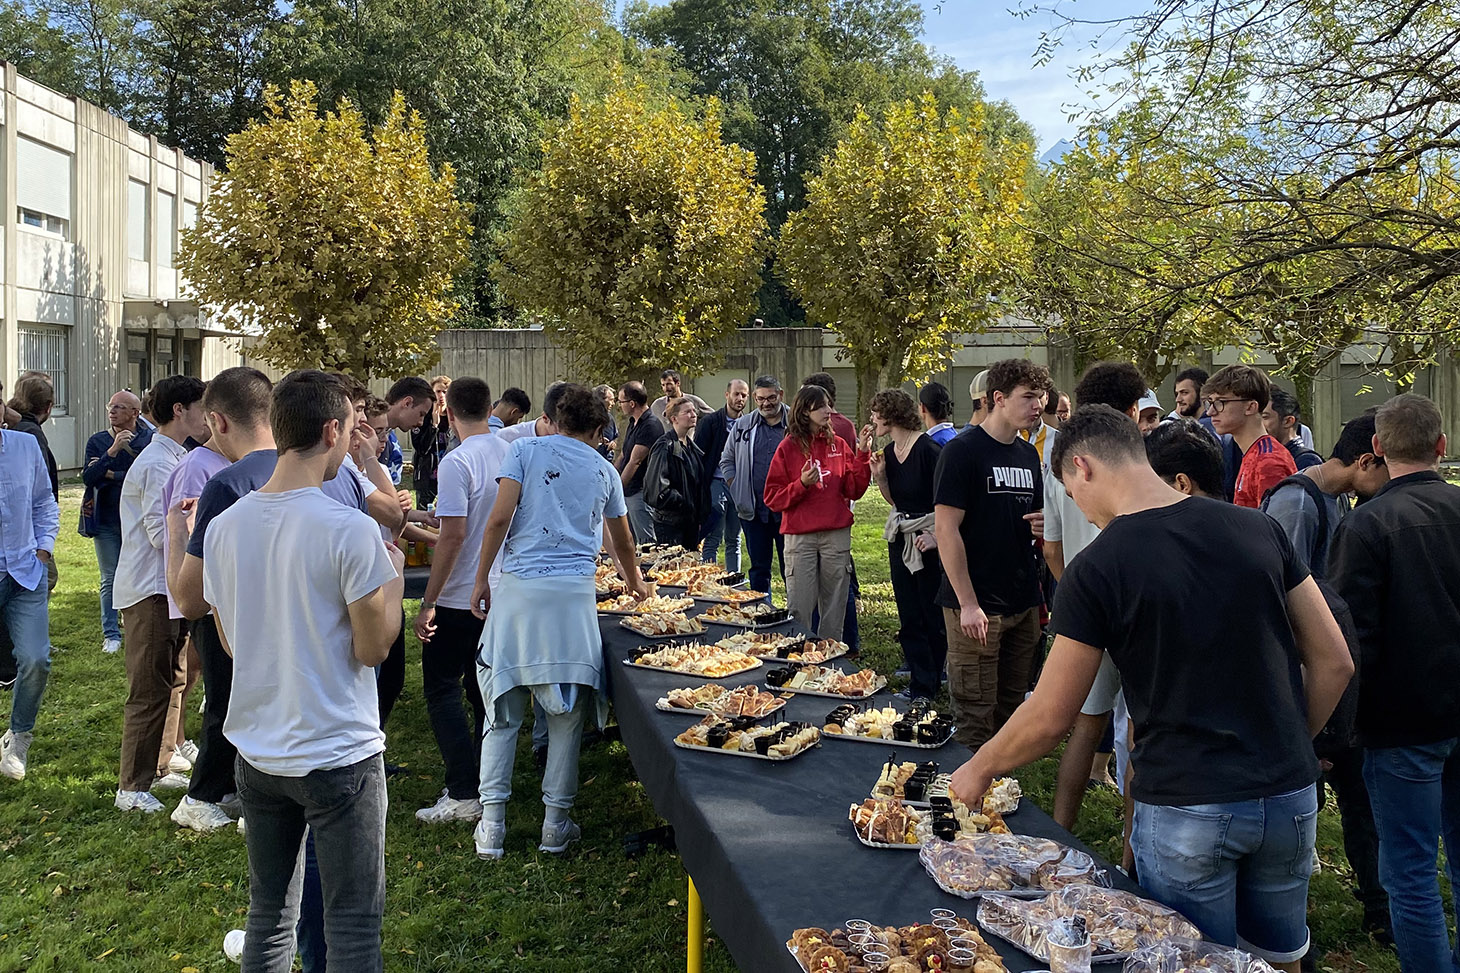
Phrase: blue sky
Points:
(983, 36)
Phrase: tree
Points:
(641, 239)
(1345, 207)
(910, 231)
(1122, 233)
(489, 77)
(336, 247)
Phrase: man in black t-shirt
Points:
(988, 493)
(643, 431)
(1225, 691)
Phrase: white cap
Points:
(1148, 401)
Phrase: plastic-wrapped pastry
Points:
(1190, 956)
(1018, 864)
(1117, 922)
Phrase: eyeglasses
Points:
(767, 400)
(1215, 405)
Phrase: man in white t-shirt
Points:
(307, 598)
(156, 664)
(466, 488)
(1067, 532)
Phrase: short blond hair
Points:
(440, 380)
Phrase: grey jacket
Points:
(739, 454)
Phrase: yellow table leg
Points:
(695, 948)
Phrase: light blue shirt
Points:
(567, 490)
(495, 423)
(29, 514)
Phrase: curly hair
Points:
(579, 410)
(1007, 375)
(1118, 384)
(896, 409)
(808, 399)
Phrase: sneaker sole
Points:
(491, 856)
(559, 849)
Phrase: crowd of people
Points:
(1209, 583)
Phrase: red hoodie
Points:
(824, 506)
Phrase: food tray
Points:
(827, 695)
(663, 706)
(1138, 918)
(886, 743)
(630, 611)
(994, 850)
(1190, 954)
(884, 846)
(756, 664)
(754, 626)
(743, 753)
(772, 657)
(669, 637)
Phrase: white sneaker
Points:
(172, 782)
(200, 815)
(556, 838)
(137, 801)
(490, 836)
(14, 752)
(178, 764)
(242, 825)
(233, 945)
(231, 805)
(111, 646)
(448, 808)
(189, 750)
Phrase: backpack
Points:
(1319, 554)
(1339, 733)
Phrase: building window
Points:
(43, 186)
(136, 219)
(43, 348)
(166, 235)
(139, 362)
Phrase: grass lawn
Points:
(84, 886)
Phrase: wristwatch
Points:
(428, 604)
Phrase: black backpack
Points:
(1319, 554)
(1338, 734)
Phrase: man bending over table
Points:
(1225, 695)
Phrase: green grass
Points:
(83, 886)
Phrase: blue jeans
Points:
(760, 535)
(499, 747)
(723, 522)
(108, 541)
(345, 811)
(1239, 871)
(25, 616)
(1415, 794)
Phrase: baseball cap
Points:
(1148, 401)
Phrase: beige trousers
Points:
(818, 573)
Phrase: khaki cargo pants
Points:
(987, 682)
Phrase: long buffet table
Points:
(768, 845)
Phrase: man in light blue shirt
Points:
(29, 520)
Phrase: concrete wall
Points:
(82, 279)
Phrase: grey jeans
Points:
(818, 574)
(345, 809)
(640, 521)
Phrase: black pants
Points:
(448, 667)
(1360, 839)
(391, 678)
(687, 535)
(213, 770)
(924, 642)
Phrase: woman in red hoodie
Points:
(814, 477)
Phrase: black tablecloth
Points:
(768, 844)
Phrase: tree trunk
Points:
(870, 376)
(1303, 384)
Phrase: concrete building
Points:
(90, 292)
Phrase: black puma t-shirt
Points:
(995, 484)
(1212, 680)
